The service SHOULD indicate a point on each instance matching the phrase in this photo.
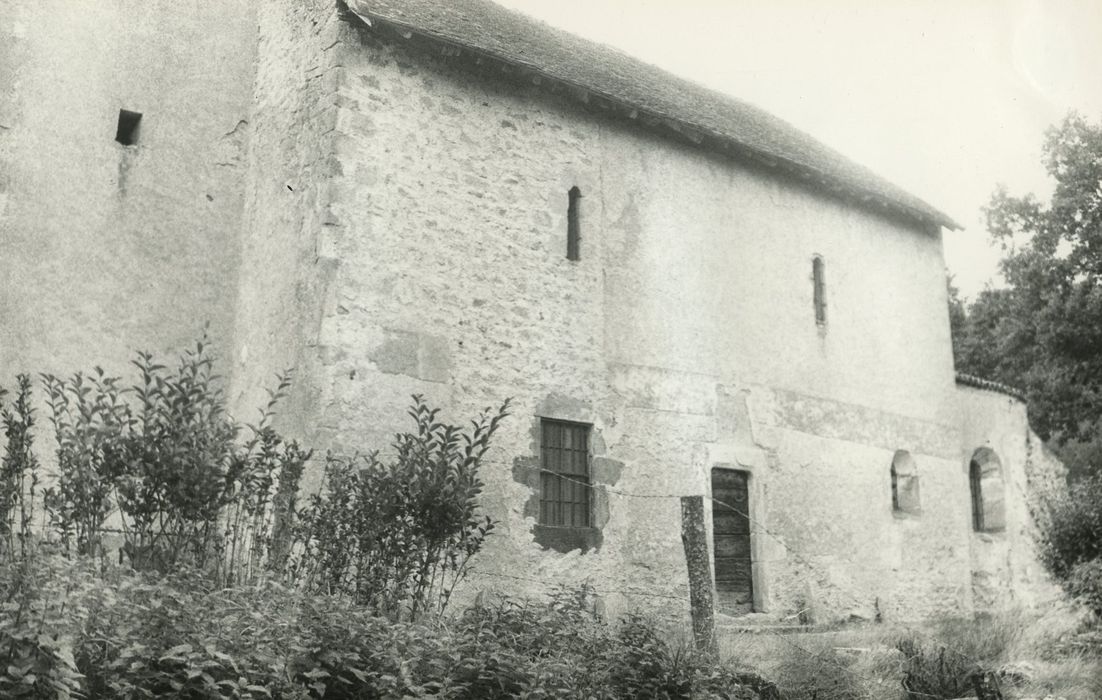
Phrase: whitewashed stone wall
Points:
(108, 248)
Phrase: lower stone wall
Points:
(1006, 569)
(827, 544)
(834, 548)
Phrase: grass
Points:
(1057, 653)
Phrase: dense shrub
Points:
(118, 633)
(561, 649)
(229, 589)
(397, 534)
(166, 456)
(1085, 582)
(38, 622)
(1071, 539)
(1071, 527)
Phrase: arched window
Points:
(904, 476)
(573, 225)
(818, 282)
(985, 480)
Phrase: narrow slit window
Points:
(985, 479)
(895, 488)
(819, 290)
(573, 225)
(975, 479)
(127, 132)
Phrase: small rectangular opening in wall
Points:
(573, 225)
(127, 133)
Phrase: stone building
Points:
(681, 293)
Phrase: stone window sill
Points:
(907, 514)
(990, 535)
(567, 539)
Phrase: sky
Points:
(946, 98)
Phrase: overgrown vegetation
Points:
(396, 535)
(19, 471)
(1071, 539)
(163, 459)
(1021, 650)
(177, 558)
(227, 583)
(146, 635)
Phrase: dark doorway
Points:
(731, 540)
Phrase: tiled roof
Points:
(981, 383)
(642, 91)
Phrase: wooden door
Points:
(731, 541)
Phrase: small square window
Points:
(127, 131)
(564, 474)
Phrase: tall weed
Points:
(19, 471)
(162, 461)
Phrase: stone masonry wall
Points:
(286, 261)
(685, 335)
(1005, 568)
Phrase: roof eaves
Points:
(988, 385)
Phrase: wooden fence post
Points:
(695, 539)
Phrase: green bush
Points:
(561, 649)
(1085, 582)
(43, 610)
(229, 590)
(117, 633)
(166, 456)
(1071, 527)
(397, 534)
(1071, 540)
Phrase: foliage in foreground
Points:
(1026, 651)
(81, 630)
(1071, 540)
(161, 463)
(397, 534)
(227, 588)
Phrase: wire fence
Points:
(966, 656)
(806, 560)
(820, 658)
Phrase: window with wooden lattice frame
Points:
(564, 474)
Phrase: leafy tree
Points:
(1043, 332)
